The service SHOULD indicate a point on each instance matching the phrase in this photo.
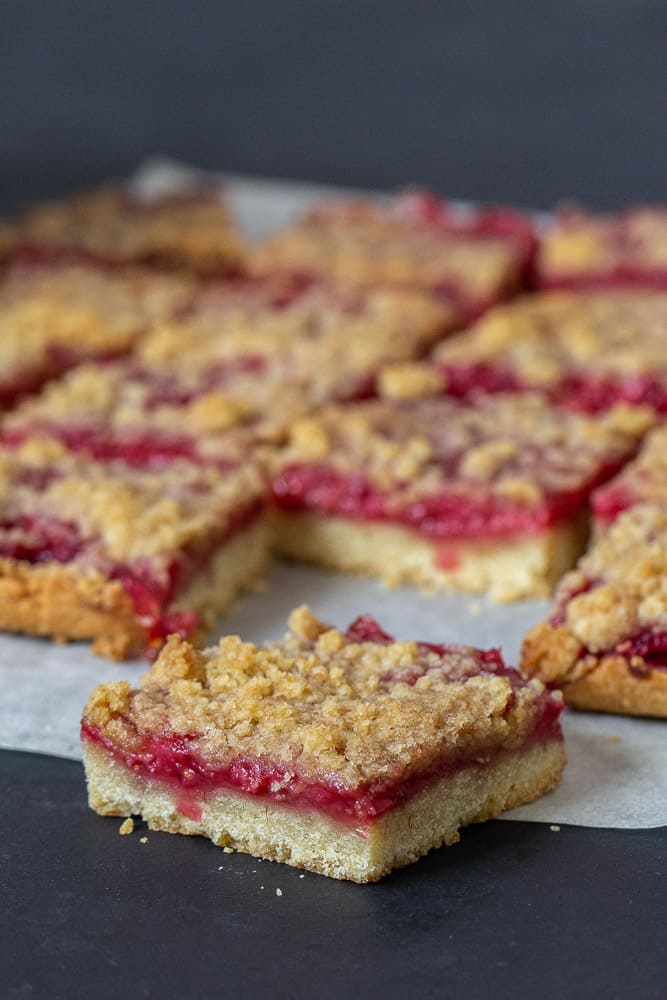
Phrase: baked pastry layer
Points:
(358, 751)
(309, 840)
(507, 569)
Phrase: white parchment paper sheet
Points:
(617, 770)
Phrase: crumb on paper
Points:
(554, 828)
(279, 892)
(614, 739)
(302, 875)
(143, 840)
(126, 827)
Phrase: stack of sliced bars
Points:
(400, 388)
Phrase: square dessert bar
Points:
(605, 644)
(244, 364)
(583, 250)
(52, 317)
(587, 350)
(488, 493)
(337, 327)
(192, 229)
(470, 258)
(644, 480)
(346, 753)
(121, 555)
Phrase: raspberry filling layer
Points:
(456, 513)
(650, 646)
(39, 539)
(138, 449)
(584, 393)
(611, 500)
(57, 360)
(173, 758)
(623, 276)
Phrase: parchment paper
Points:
(617, 770)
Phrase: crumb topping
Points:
(322, 704)
(619, 587)
(515, 445)
(546, 337)
(581, 243)
(112, 223)
(121, 514)
(80, 309)
(328, 325)
(365, 244)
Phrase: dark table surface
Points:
(527, 101)
(515, 910)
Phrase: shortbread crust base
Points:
(507, 570)
(607, 685)
(65, 602)
(315, 842)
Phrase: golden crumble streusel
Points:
(329, 325)
(542, 339)
(81, 309)
(114, 223)
(365, 244)
(622, 581)
(582, 244)
(323, 703)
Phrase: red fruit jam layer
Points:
(174, 760)
(138, 449)
(611, 500)
(39, 539)
(29, 380)
(586, 394)
(625, 276)
(650, 645)
(452, 514)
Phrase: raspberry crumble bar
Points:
(605, 643)
(123, 555)
(586, 350)
(113, 224)
(488, 493)
(346, 753)
(52, 317)
(643, 480)
(470, 258)
(583, 250)
(244, 364)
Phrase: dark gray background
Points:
(522, 101)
